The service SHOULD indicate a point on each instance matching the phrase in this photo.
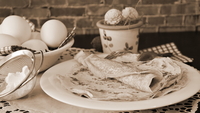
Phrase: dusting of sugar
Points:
(14, 79)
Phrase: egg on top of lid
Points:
(53, 32)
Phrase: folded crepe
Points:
(102, 79)
(87, 85)
(164, 65)
(104, 68)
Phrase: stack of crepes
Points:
(123, 78)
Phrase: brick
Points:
(179, 9)
(95, 20)
(124, 2)
(148, 10)
(69, 23)
(84, 23)
(166, 9)
(1, 20)
(144, 20)
(177, 28)
(191, 8)
(156, 20)
(82, 2)
(163, 15)
(5, 12)
(198, 20)
(91, 31)
(148, 29)
(192, 19)
(32, 12)
(79, 31)
(174, 20)
(14, 3)
(42, 21)
(173, 9)
(198, 28)
(35, 22)
(86, 31)
(191, 1)
(41, 3)
(67, 12)
(97, 10)
(158, 1)
(119, 7)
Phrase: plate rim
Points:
(116, 106)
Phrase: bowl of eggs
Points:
(15, 30)
(52, 56)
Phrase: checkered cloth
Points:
(169, 48)
(9, 49)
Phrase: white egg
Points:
(36, 44)
(0, 29)
(17, 27)
(53, 32)
(35, 35)
(7, 40)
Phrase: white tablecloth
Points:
(39, 102)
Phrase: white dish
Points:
(62, 95)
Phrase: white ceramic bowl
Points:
(51, 57)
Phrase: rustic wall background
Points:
(158, 15)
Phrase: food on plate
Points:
(53, 32)
(105, 68)
(121, 79)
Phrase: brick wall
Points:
(158, 15)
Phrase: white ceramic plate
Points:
(62, 95)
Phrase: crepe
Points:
(177, 84)
(84, 83)
(129, 75)
(104, 68)
(145, 82)
(102, 79)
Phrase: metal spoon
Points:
(68, 38)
